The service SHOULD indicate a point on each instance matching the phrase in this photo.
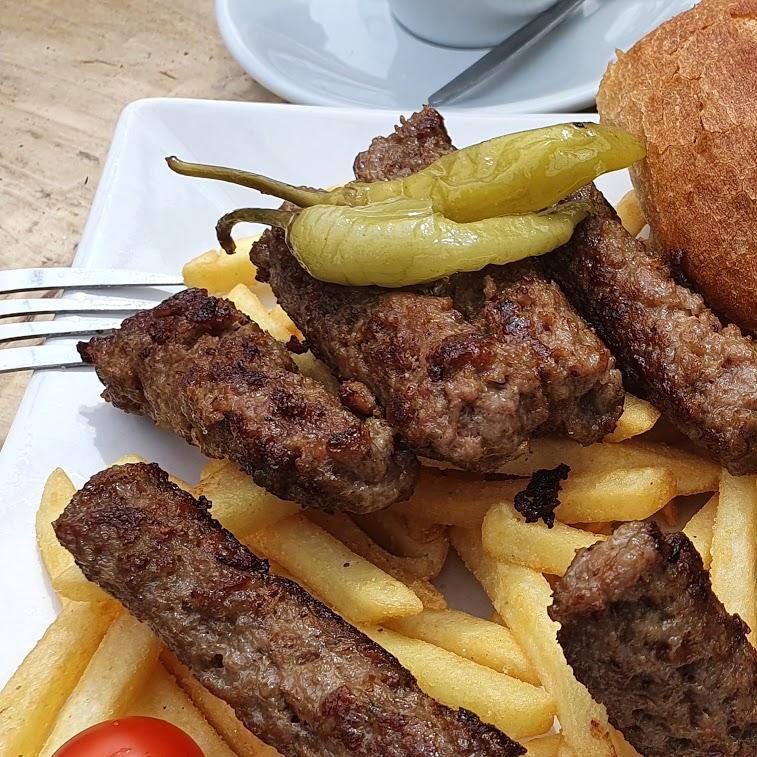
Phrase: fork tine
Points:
(44, 356)
(10, 308)
(31, 279)
(11, 332)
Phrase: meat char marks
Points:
(471, 392)
(295, 673)
(643, 631)
(671, 348)
(197, 365)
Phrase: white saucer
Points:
(353, 52)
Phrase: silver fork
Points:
(101, 314)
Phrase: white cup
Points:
(466, 23)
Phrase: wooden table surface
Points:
(67, 69)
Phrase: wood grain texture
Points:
(67, 69)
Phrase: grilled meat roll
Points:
(296, 674)
(643, 631)
(672, 349)
(197, 365)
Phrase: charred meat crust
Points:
(197, 365)
(541, 496)
(671, 348)
(295, 673)
(643, 631)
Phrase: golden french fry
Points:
(218, 272)
(521, 596)
(733, 568)
(519, 708)
(130, 459)
(31, 699)
(506, 536)
(630, 213)
(455, 498)
(699, 529)
(161, 697)
(632, 494)
(426, 544)
(116, 672)
(693, 474)
(239, 504)
(600, 528)
(72, 584)
(585, 497)
(546, 746)
(217, 712)
(274, 320)
(638, 417)
(55, 496)
(354, 587)
(476, 639)
(342, 527)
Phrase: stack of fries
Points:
(96, 662)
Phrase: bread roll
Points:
(689, 88)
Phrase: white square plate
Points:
(146, 218)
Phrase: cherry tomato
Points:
(131, 737)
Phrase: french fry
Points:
(55, 496)
(427, 544)
(274, 320)
(217, 712)
(354, 587)
(693, 474)
(31, 699)
(699, 529)
(733, 568)
(630, 213)
(116, 672)
(590, 496)
(600, 528)
(218, 272)
(455, 498)
(162, 698)
(631, 494)
(506, 536)
(638, 417)
(476, 639)
(519, 708)
(521, 596)
(342, 527)
(239, 504)
(72, 584)
(546, 746)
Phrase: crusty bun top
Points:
(689, 88)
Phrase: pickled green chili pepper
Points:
(515, 173)
(400, 242)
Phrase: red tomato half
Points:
(131, 737)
